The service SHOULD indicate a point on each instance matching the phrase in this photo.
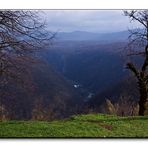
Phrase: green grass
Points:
(91, 125)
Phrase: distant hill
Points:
(100, 37)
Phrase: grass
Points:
(91, 125)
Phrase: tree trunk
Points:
(143, 98)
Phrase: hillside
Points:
(127, 87)
(88, 36)
(91, 125)
(45, 88)
(94, 66)
(97, 68)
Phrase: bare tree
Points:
(22, 29)
(20, 32)
(138, 40)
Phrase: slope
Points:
(81, 126)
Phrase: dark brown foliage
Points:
(125, 106)
(21, 33)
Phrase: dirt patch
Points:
(100, 123)
(107, 126)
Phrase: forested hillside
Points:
(47, 91)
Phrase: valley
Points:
(70, 77)
(90, 66)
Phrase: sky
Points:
(100, 21)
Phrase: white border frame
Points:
(73, 4)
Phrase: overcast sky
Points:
(87, 20)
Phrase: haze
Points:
(101, 21)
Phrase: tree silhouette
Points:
(21, 33)
(138, 40)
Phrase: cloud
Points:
(86, 20)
